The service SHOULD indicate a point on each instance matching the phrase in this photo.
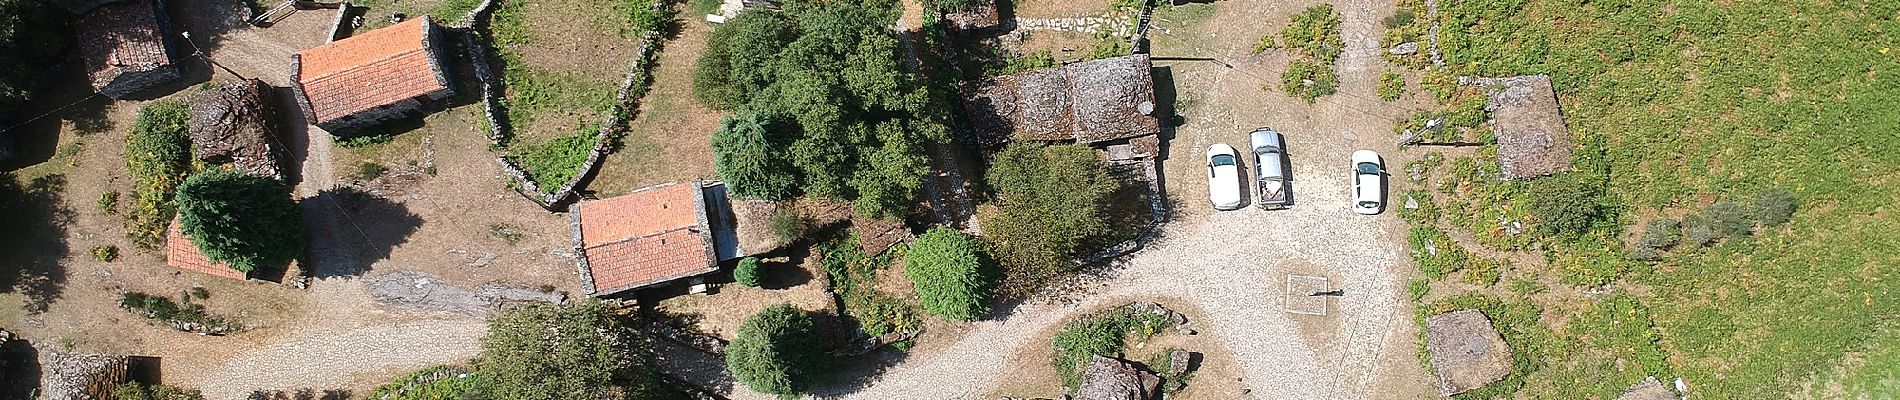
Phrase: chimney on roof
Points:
(1146, 108)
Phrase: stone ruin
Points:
(1466, 351)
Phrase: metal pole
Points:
(200, 53)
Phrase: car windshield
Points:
(1222, 160)
(1368, 168)
(1368, 204)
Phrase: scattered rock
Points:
(1178, 361)
(1648, 389)
(1114, 379)
(1403, 49)
(1466, 351)
(418, 292)
(482, 261)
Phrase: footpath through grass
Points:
(1674, 105)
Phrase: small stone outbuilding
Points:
(1532, 138)
(236, 124)
(1100, 102)
(367, 80)
(1466, 351)
(76, 376)
(663, 233)
(127, 48)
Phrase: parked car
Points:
(1272, 189)
(1223, 177)
(1368, 182)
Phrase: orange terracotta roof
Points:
(649, 236)
(375, 69)
(182, 254)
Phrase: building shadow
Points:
(293, 133)
(350, 230)
(37, 220)
(21, 373)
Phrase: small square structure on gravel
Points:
(1466, 351)
(1532, 139)
(1299, 294)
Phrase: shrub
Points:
(158, 157)
(243, 220)
(553, 163)
(1416, 289)
(1484, 272)
(105, 253)
(1729, 219)
(1051, 204)
(950, 5)
(1774, 207)
(365, 140)
(369, 170)
(1013, 64)
(645, 15)
(1398, 19)
(1564, 205)
(1103, 334)
(748, 273)
(109, 202)
(1660, 234)
(1268, 42)
(181, 315)
(953, 277)
(751, 164)
(789, 224)
(1391, 85)
(1314, 32)
(1162, 364)
(1308, 81)
(543, 351)
(140, 391)
(434, 383)
(199, 292)
(777, 351)
(1696, 230)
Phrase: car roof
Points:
(1264, 137)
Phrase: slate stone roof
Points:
(653, 235)
(235, 124)
(375, 69)
(181, 253)
(1088, 102)
(121, 38)
(77, 376)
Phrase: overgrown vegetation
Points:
(1106, 334)
(777, 351)
(1051, 205)
(105, 253)
(158, 157)
(854, 279)
(1758, 313)
(182, 315)
(953, 276)
(1312, 39)
(553, 163)
(1391, 85)
(824, 83)
(140, 391)
(246, 221)
(543, 351)
(434, 383)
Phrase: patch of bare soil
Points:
(580, 37)
(1060, 8)
(720, 312)
(669, 140)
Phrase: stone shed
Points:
(1098, 102)
(127, 48)
(379, 76)
(76, 376)
(1532, 138)
(236, 124)
(1466, 351)
(982, 18)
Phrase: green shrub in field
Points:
(1435, 254)
(777, 351)
(242, 220)
(166, 311)
(1484, 272)
(105, 253)
(854, 280)
(1427, 211)
(1105, 334)
(544, 351)
(1314, 32)
(1052, 204)
(1399, 19)
(109, 202)
(1565, 204)
(1697, 230)
(140, 391)
(1416, 289)
(752, 165)
(158, 157)
(1774, 207)
(1108, 46)
(1308, 81)
(1729, 219)
(953, 277)
(748, 272)
(790, 225)
(1391, 85)
(1661, 233)
(1013, 63)
(644, 15)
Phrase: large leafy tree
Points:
(777, 351)
(826, 77)
(751, 163)
(953, 277)
(243, 220)
(579, 351)
(1051, 202)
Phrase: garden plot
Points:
(668, 138)
(562, 63)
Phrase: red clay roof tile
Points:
(649, 236)
(378, 68)
(182, 254)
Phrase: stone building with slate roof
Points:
(1100, 102)
(662, 233)
(236, 125)
(127, 47)
(369, 79)
(76, 376)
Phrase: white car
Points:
(1223, 177)
(1368, 182)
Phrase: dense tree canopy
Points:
(752, 164)
(244, 220)
(30, 41)
(777, 351)
(579, 351)
(953, 277)
(822, 80)
(1051, 202)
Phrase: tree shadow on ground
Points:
(300, 394)
(22, 373)
(789, 273)
(350, 230)
(35, 243)
(848, 375)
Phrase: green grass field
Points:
(1676, 104)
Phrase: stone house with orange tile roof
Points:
(662, 233)
(127, 48)
(366, 80)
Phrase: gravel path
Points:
(330, 358)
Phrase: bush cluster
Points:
(158, 157)
(854, 280)
(777, 351)
(555, 162)
(748, 273)
(1313, 38)
(243, 220)
(1308, 80)
(1052, 204)
(178, 314)
(953, 277)
(140, 391)
(543, 351)
(1105, 334)
(1566, 204)
(1721, 219)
